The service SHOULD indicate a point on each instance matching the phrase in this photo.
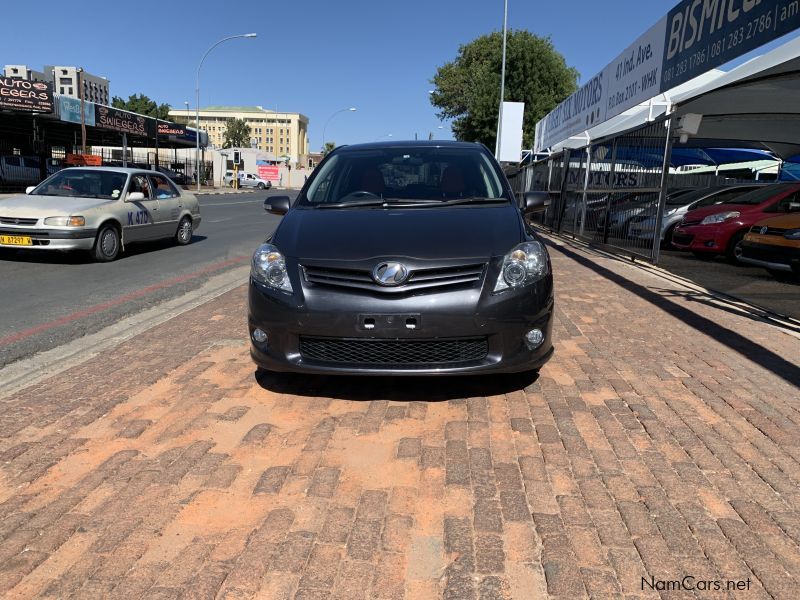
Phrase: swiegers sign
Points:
(30, 96)
(124, 121)
(693, 38)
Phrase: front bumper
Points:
(777, 258)
(701, 238)
(453, 316)
(51, 238)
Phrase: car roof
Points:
(410, 144)
(126, 170)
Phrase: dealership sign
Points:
(69, 109)
(30, 96)
(693, 38)
(124, 121)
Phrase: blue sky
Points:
(313, 57)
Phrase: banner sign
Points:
(84, 160)
(30, 96)
(693, 38)
(69, 109)
(703, 34)
(171, 129)
(124, 121)
(267, 172)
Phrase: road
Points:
(51, 298)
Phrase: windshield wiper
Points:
(383, 202)
(474, 200)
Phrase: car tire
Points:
(106, 244)
(734, 249)
(183, 235)
(261, 186)
(666, 243)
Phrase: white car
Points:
(98, 209)
(248, 180)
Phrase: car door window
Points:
(162, 188)
(139, 183)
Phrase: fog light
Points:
(534, 339)
(259, 336)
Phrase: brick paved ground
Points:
(663, 440)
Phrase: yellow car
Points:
(774, 244)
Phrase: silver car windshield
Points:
(83, 183)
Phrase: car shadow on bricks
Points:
(751, 350)
(399, 389)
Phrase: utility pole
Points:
(502, 81)
(83, 109)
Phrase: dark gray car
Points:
(402, 258)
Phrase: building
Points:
(65, 81)
(279, 134)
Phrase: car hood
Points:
(787, 221)
(47, 206)
(423, 233)
(701, 213)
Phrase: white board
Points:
(511, 132)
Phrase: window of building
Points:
(61, 91)
(65, 80)
(70, 91)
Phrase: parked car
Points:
(249, 180)
(438, 275)
(625, 208)
(720, 229)
(774, 244)
(19, 171)
(98, 209)
(176, 177)
(676, 207)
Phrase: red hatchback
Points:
(720, 228)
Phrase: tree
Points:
(237, 134)
(143, 105)
(329, 147)
(467, 89)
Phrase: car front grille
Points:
(394, 353)
(418, 279)
(17, 221)
(691, 221)
(769, 230)
(682, 239)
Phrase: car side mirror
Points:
(277, 205)
(29, 189)
(134, 197)
(535, 202)
(793, 207)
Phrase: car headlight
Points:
(792, 234)
(525, 264)
(65, 221)
(269, 267)
(720, 217)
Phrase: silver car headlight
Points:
(74, 221)
(720, 217)
(269, 267)
(524, 265)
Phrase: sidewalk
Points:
(661, 444)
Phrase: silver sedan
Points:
(98, 209)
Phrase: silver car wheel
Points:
(108, 243)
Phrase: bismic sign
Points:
(703, 34)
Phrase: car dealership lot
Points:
(660, 441)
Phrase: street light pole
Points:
(502, 81)
(197, 99)
(351, 109)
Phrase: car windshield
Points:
(83, 183)
(761, 195)
(419, 175)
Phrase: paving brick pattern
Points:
(662, 441)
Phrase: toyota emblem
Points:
(390, 274)
(764, 230)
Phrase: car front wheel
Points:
(106, 245)
(734, 250)
(261, 186)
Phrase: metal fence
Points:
(20, 167)
(599, 191)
